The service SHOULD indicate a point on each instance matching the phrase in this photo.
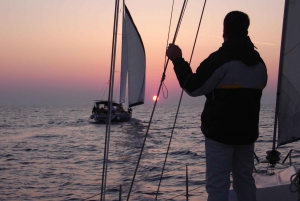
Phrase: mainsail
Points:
(133, 62)
(288, 100)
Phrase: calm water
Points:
(55, 153)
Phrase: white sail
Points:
(133, 60)
(289, 76)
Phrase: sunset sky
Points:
(58, 52)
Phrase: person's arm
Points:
(206, 77)
(181, 67)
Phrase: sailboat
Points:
(276, 183)
(133, 67)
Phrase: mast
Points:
(110, 98)
(273, 155)
(286, 7)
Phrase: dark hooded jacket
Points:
(232, 79)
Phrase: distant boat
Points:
(118, 114)
(133, 66)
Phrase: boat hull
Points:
(122, 117)
(118, 117)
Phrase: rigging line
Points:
(174, 39)
(180, 101)
(108, 121)
(90, 197)
(171, 17)
(166, 63)
(148, 127)
(106, 84)
(170, 23)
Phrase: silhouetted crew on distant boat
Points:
(232, 80)
(102, 110)
(94, 110)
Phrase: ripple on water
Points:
(57, 154)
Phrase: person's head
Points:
(235, 25)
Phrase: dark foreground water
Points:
(56, 153)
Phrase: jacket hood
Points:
(242, 50)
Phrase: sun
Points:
(155, 97)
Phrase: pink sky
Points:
(58, 52)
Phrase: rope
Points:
(295, 181)
(164, 86)
(163, 77)
(179, 103)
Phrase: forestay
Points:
(289, 81)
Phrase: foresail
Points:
(289, 73)
(136, 61)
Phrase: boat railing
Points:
(289, 155)
(183, 190)
(271, 167)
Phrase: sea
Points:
(55, 153)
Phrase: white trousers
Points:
(221, 160)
